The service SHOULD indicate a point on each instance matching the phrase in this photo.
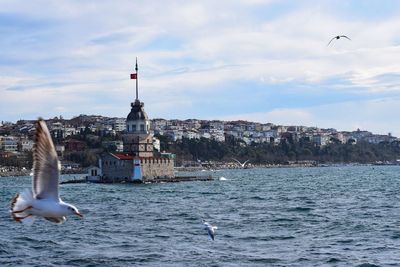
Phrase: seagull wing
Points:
(240, 164)
(331, 41)
(207, 225)
(345, 37)
(211, 233)
(45, 164)
(237, 161)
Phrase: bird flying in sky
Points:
(338, 37)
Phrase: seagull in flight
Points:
(338, 37)
(241, 165)
(210, 229)
(43, 200)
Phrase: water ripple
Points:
(343, 216)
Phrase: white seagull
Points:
(338, 37)
(210, 229)
(241, 165)
(43, 200)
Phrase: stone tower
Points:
(138, 139)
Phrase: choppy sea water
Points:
(331, 216)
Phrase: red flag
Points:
(134, 76)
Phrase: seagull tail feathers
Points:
(20, 207)
(28, 221)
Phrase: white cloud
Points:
(283, 116)
(81, 53)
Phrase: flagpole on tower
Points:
(134, 76)
(137, 92)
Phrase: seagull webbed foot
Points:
(19, 219)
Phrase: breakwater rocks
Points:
(176, 179)
(13, 171)
(182, 178)
(10, 171)
(227, 166)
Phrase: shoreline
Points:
(176, 179)
(12, 172)
(270, 166)
(22, 172)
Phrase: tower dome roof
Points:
(137, 112)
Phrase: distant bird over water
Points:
(210, 229)
(44, 200)
(338, 37)
(241, 165)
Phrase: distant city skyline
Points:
(61, 119)
(261, 61)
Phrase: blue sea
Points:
(322, 216)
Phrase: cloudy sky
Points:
(258, 60)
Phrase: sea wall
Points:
(157, 167)
(115, 169)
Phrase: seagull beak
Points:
(80, 215)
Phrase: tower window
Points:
(142, 127)
(133, 128)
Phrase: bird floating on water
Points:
(338, 37)
(210, 229)
(43, 200)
